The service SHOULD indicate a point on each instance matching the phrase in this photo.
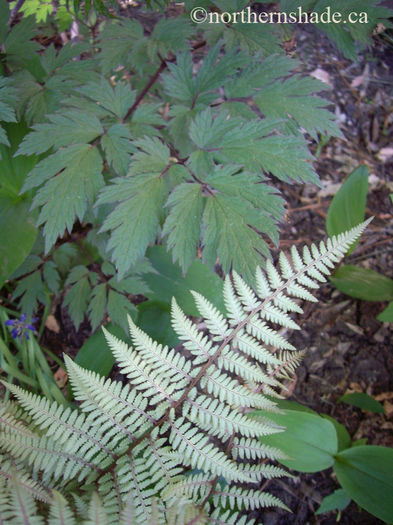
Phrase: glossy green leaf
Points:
(309, 440)
(95, 354)
(387, 315)
(366, 474)
(169, 282)
(338, 500)
(154, 318)
(363, 401)
(348, 206)
(363, 283)
(17, 233)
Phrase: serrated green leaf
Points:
(76, 299)
(251, 38)
(259, 74)
(131, 285)
(295, 98)
(51, 276)
(227, 235)
(30, 291)
(344, 34)
(118, 309)
(118, 40)
(116, 100)
(118, 148)
(63, 130)
(169, 34)
(19, 46)
(97, 305)
(65, 197)
(182, 225)
(134, 223)
(245, 143)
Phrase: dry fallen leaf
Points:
(61, 377)
(322, 75)
(52, 324)
(388, 409)
(385, 154)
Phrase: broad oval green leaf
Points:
(363, 401)
(386, 316)
(309, 440)
(363, 283)
(17, 233)
(366, 474)
(95, 354)
(343, 437)
(348, 206)
(154, 318)
(169, 282)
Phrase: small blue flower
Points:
(20, 327)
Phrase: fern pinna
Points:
(175, 444)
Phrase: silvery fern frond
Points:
(173, 443)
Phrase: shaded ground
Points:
(348, 350)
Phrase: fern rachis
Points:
(137, 445)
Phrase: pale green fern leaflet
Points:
(174, 444)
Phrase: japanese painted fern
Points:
(176, 443)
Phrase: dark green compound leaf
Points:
(97, 305)
(363, 401)
(348, 206)
(363, 283)
(135, 221)
(294, 99)
(77, 297)
(118, 308)
(238, 209)
(309, 440)
(183, 224)
(338, 500)
(227, 234)
(366, 474)
(65, 197)
(245, 143)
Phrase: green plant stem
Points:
(43, 320)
